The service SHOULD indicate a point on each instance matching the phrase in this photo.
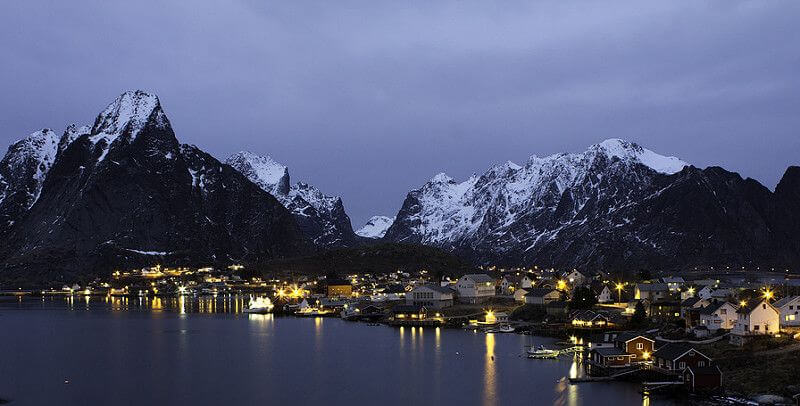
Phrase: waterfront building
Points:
(677, 357)
(431, 296)
(702, 379)
(639, 346)
(789, 308)
(510, 283)
(475, 288)
(589, 319)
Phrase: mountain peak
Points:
(441, 177)
(375, 227)
(262, 170)
(130, 111)
(615, 147)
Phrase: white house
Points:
(512, 282)
(605, 295)
(756, 318)
(789, 308)
(475, 288)
(651, 291)
(718, 315)
(575, 278)
(519, 294)
(430, 295)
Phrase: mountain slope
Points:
(375, 227)
(126, 191)
(616, 205)
(22, 173)
(321, 218)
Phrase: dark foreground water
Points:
(107, 351)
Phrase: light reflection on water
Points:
(282, 359)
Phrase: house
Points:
(575, 278)
(475, 288)
(405, 312)
(602, 340)
(510, 283)
(674, 283)
(338, 287)
(677, 357)
(589, 319)
(755, 318)
(612, 357)
(702, 379)
(718, 315)
(651, 291)
(665, 310)
(431, 296)
(519, 294)
(541, 296)
(638, 346)
(789, 308)
(605, 295)
(690, 309)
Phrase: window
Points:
(766, 327)
(639, 346)
(764, 306)
(724, 311)
(701, 363)
(682, 365)
(790, 317)
(755, 328)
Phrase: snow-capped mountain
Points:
(375, 227)
(612, 205)
(321, 218)
(22, 173)
(124, 189)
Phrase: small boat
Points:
(542, 353)
(501, 329)
(259, 305)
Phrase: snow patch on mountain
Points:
(126, 115)
(375, 227)
(627, 150)
(26, 165)
(262, 170)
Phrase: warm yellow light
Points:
(768, 294)
(619, 286)
(646, 355)
(561, 285)
(743, 303)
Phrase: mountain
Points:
(616, 206)
(321, 218)
(22, 173)
(375, 227)
(124, 192)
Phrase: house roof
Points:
(673, 351)
(751, 305)
(630, 335)
(609, 351)
(337, 282)
(513, 278)
(652, 287)
(714, 306)
(704, 371)
(479, 277)
(404, 308)
(437, 288)
(690, 302)
(538, 292)
(785, 301)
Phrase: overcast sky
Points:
(370, 99)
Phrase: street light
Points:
(619, 293)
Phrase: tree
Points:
(582, 298)
(639, 317)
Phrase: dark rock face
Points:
(126, 193)
(606, 211)
(321, 218)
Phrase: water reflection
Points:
(229, 304)
(490, 385)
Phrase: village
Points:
(708, 336)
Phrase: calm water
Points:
(201, 351)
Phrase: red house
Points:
(677, 357)
(702, 379)
(638, 346)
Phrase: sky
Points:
(368, 100)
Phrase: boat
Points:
(501, 329)
(542, 353)
(259, 305)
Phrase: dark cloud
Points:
(370, 99)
